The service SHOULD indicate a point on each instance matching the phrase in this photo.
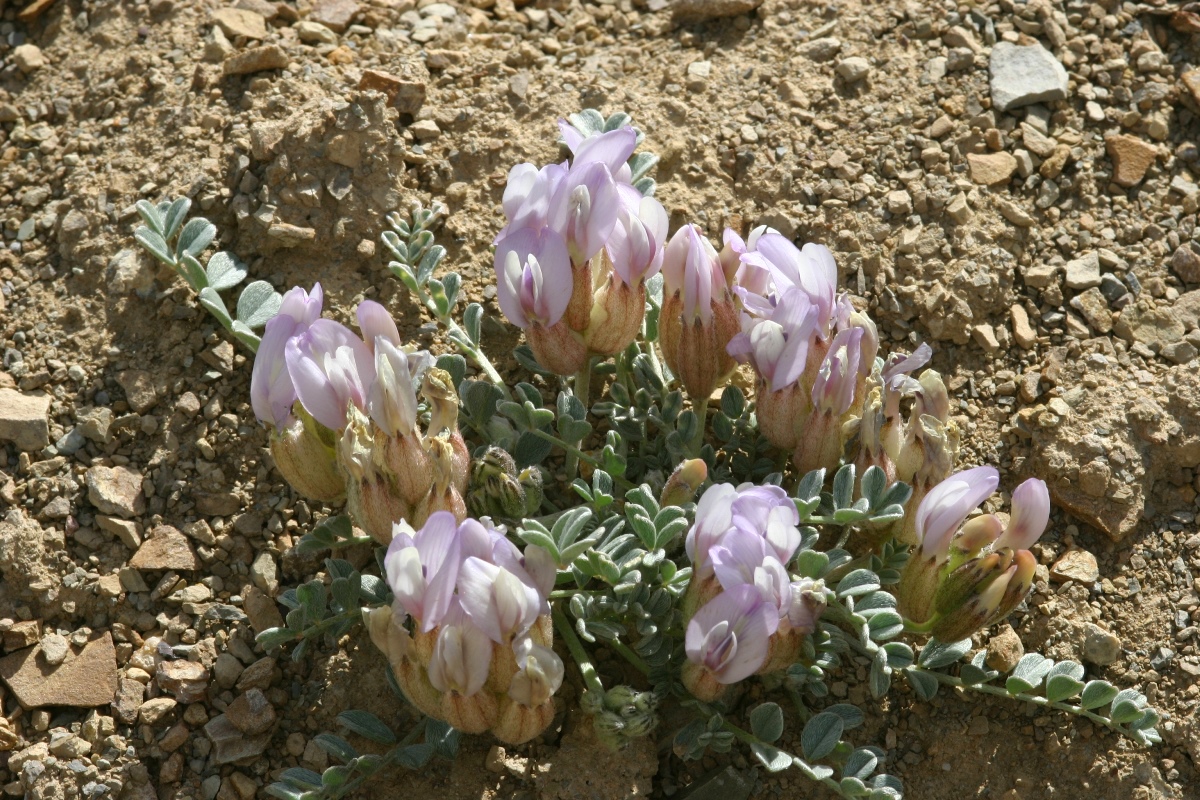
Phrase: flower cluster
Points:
(966, 575)
(746, 615)
(580, 243)
(343, 413)
(469, 635)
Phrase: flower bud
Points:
(558, 348)
(438, 389)
(498, 490)
(303, 453)
(1003, 581)
(684, 482)
(616, 316)
(372, 500)
(442, 496)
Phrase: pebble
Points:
(991, 168)
(853, 69)
(256, 59)
(1076, 565)
(227, 669)
(155, 710)
(165, 548)
(24, 419)
(54, 649)
(251, 713)
(1083, 273)
(1131, 158)
(258, 675)
(116, 490)
(1099, 646)
(334, 14)
(1093, 305)
(820, 50)
(264, 573)
(405, 96)
(425, 130)
(95, 423)
(29, 58)
(314, 33)
(124, 529)
(1023, 75)
(240, 22)
(958, 209)
(67, 745)
(1185, 262)
(22, 634)
(86, 678)
(494, 762)
(186, 680)
(128, 701)
(1161, 658)
(700, 10)
(139, 389)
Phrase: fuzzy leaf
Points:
(1096, 694)
(225, 270)
(258, 303)
(766, 722)
(941, 654)
(821, 735)
(367, 725)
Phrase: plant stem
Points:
(579, 454)
(583, 383)
(698, 437)
(586, 668)
(750, 739)
(630, 656)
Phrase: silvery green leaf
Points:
(174, 216)
(455, 364)
(838, 558)
(196, 235)
(976, 672)
(192, 272)
(899, 655)
(774, 759)
(394, 244)
(810, 485)
(1069, 668)
(645, 186)
(258, 303)
(924, 684)
(885, 625)
(335, 746)
(443, 738)
(530, 449)
(860, 764)
(843, 486)
(246, 336)
(816, 772)
(154, 245)
(873, 483)
(1060, 687)
(640, 164)
(766, 722)
(858, 582)
(216, 306)
(811, 563)
(897, 495)
(472, 321)
(1029, 672)
(414, 756)
(852, 716)
(941, 654)
(303, 778)
(853, 787)
(881, 674)
(617, 120)
(1124, 711)
(225, 270)
(849, 516)
(1096, 694)
(588, 122)
(367, 725)
(150, 215)
(821, 735)
(524, 357)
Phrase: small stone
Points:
(1083, 273)
(425, 130)
(495, 760)
(1023, 75)
(1099, 646)
(22, 634)
(1185, 262)
(116, 490)
(28, 58)
(853, 69)
(1076, 565)
(1053, 166)
(958, 209)
(1153, 327)
(1191, 80)
(1161, 658)
(95, 424)
(405, 96)
(820, 50)
(314, 33)
(264, 573)
(124, 529)
(985, 336)
(251, 713)
(138, 386)
(991, 168)
(227, 669)
(156, 710)
(1131, 158)
(165, 548)
(240, 22)
(1094, 307)
(128, 701)
(1014, 213)
(68, 746)
(261, 610)
(700, 10)
(334, 14)
(24, 419)
(899, 203)
(85, 679)
(186, 680)
(174, 738)
(217, 504)
(1179, 352)
(55, 649)
(1036, 141)
(287, 235)
(256, 59)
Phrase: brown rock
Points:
(1004, 649)
(261, 610)
(405, 96)
(700, 10)
(267, 11)
(22, 635)
(257, 676)
(186, 680)
(991, 168)
(230, 744)
(1154, 327)
(1052, 167)
(256, 59)
(251, 713)
(116, 490)
(1076, 565)
(1187, 309)
(165, 548)
(24, 419)
(1131, 158)
(1186, 263)
(130, 694)
(85, 679)
(1192, 81)
(1023, 332)
(1094, 307)
(34, 10)
(240, 22)
(138, 386)
(219, 504)
(334, 14)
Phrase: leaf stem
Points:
(627, 653)
(583, 383)
(698, 437)
(586, 668)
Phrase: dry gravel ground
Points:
(1047, 250)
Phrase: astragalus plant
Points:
(632, 497)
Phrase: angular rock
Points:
(230, 744)
(820, 50)
(256, 59)
(127, 703)
(257, 676)
(22, 634)
(251, 713)
(240, 22)
(1023, 75)
(700, 10)
(1083, 273)
(55, 648)
(156, 710)
(186, 680)
(262, 610)
(139, 389)
(1004, 649)
(165, 548)
(425, 130)
(124, 529)
(314, 33)
(116, 490)
(84, 679)
(24, 419)
(28, 58)
(1191, 80)
(1099, 646)
(853, 69)
(991, 168)
(1155, 327)
(1131, 158)
(1185, 262)
(405, 96)
(1076, 565)
(219, 504)
(1094, 307)
(334, 14)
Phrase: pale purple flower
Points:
(583, 209)
(812, 268)
(392, 396)
(743, 558)
(422, 566)
(750, 278)
(462, 657)
(636, 244)
(533, 277)
(833, 389)
(331, 369)
(272, 392)
(777, 344)
(611, 148)
(947, 506)
(808, 604)
(1029, 515)
(692, 267)
(528, 194)
(539, 673)
(374, 321)
(730, 634)
(498, 602)
(897, 370)
(765, 511)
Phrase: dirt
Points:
(108, 102)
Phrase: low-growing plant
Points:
(633, 497)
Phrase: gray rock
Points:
(54, 649)
(70, 442)
(24, 419)
(1025, 75)
(853, 69)
(116, 490)
(1161, 658)
(230, 744)
(820, 50)
(1083, 273)
(1099, 646)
